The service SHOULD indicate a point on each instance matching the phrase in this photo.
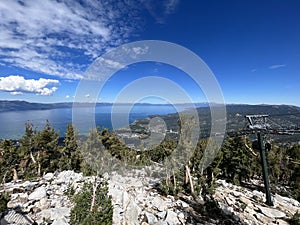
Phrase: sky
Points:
(251, 47)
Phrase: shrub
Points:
(4, 199)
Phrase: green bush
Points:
(4, 199)
(295, 220)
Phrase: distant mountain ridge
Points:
(6, 106)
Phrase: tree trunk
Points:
(32, 158)
(174, 180)
(39, 169)
(95, 186)
(190, 178)
(167, 180)
(15, 177)
(39, 165)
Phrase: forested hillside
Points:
(38, 153)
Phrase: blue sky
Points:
(252, 47)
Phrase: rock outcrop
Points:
(136, 201)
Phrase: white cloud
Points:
(67, 96)
(17, 85)
(277, 66)
(54, 37)
(140, 50)
(16, 93)
(110, 63)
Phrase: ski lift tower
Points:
(258, 123)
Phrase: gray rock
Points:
(230, 201)
(181, 217)
(15, 218)
(258, 194)
(28, 185)
(271, 213)
(18, 201)
(60, 222)
(236, 194)
(172, 218)
(38, 194)
(151, 219)
(162, 223)
(126, 199)
(262, 219)
(291, 201)
(182, 204)
(159, 204)
(48, 176)
(281, 222)
(245, 200)
(132, 213)
(54, 213)
(116, 196)
(68, 177)
(162, 215)
(226, 209)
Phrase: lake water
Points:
(12, 124)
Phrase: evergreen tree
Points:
(205, 165)
(46, 145)
(237, 163)
(96, 158)
(71, 156)
(162, 151)
(278, 162)
(294, 166)
(9, 161)
(27, 154)
(93, 205)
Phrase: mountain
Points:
(6, 106)
(281, 117)
(136, 200)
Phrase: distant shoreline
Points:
(8, 106)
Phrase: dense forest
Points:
(39, 152)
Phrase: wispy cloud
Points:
(108, 63)
(17, 85)
(56, 37)
(161, 9)
(276, 66)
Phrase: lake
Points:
(13, 122)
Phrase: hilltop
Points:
(135, 200)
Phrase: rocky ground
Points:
(136, 201)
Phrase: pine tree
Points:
(46, 145)
(27, 152)
(237, 160)
(96, 158)
(93, 205)
(294, 166)
(71, 156)
(9, 161)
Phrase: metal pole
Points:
(264, 169)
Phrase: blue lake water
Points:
(12, 124)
